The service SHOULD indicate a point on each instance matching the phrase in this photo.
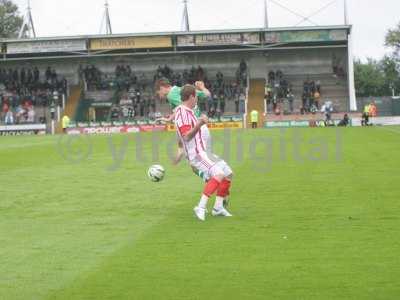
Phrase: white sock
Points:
(203, 201)
(219, 203)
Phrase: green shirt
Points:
(174, 99)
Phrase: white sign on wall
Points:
(46, 46)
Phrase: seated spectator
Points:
(345, 122)
(9, 119)
(31, 115)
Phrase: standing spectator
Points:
(153, 104)
(327, 108)
(36, 75)
(220, 78)
(23, 76)
(215, 102)
(242, 103)
(304, 102)
(222, 103)
(48, 74)
(141, 106)
(271, 77)
(290, 98)
(237, 104)
(30, 76)
(65, 123)
(318, 86)
(317, 98)
(243, 67)
(365, 116)
(254, 119)
(202, 104)
(373, 111)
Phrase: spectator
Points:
(290, 98)
(131, 113)
(215, 102)
(365, 116)
(48, 74)
(242, 103)
(271, 77)
(327, 109)
(222, 103)
(243, 66)
(254, 119)
(202, 104)
(9, 119)
(31, 115)
(373, 111)
(318, 86)
(65, 123)
(125, 112)
(317, 98)
(237, 104)
(345, 122)
(304, 102)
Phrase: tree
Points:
(390, 68)
(369, 78)
(393, 40)
(10, 19)
(376, 77)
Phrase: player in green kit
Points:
(164, 89)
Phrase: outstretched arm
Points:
(166, 120)
(202, 87)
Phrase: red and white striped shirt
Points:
(185, 121)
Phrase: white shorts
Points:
(211, 165)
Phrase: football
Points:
(156, 173)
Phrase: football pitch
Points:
(316, 216)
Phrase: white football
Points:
(156, 173)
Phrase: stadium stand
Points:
(27, 93)
(109, 79)
(126, 93)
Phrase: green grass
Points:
(325, 227)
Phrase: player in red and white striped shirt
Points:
(189, 129)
